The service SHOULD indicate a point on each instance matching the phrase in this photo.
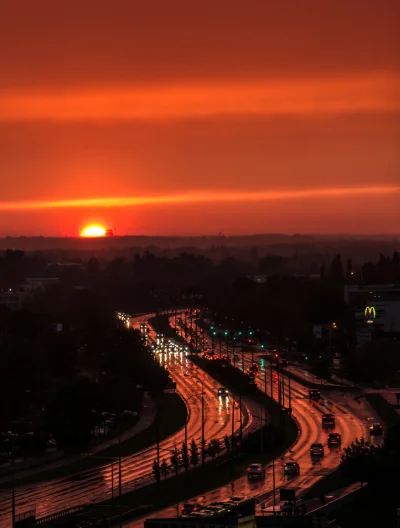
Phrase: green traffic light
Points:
(250, 333)
(214, 333)
(212, 328)
(240, 333)
(262, 346)
(226, 333)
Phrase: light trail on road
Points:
(96, 484)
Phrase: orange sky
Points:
(173, 117)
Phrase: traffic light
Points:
(251, 332)
(225, 333)
(212, 328)
(214, 333)
(240, 333)
(262, 346)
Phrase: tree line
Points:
(187, 456)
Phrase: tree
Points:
(156, 471)
(362, 462)
(214, 448)
(164, 468)
(69, 417)
(176, 460)
(194, 453)
(227, 442)
(392, 440)
(185, 456)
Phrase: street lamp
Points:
(186, 400)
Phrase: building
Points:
(376, 309)
(38, 285)
(11, 299)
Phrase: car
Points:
(256, 470)
(253, 367)
(314, 395)
(334, 440)
(375, 429)
(283, 363)
(251, 378)
(317, 449)
(235, 500)
(223, 392)
(188, 508)
(291, 468)
(328, 420)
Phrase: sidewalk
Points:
(38, 465)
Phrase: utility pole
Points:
(13, 489)
(196, 337)
(202, 428)
(241, 420)
(119, 478)
(273, 468)
(265, 378)
(158, 440)
(290, 393)
(112, 486)
(233, 423)
(271, 382)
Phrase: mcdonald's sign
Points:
(370, 312)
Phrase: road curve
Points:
(95, 484)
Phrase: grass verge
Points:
(383, 409)
(171, 413)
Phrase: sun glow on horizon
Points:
(93, 231)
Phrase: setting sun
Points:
(93, 231)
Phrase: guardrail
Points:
(326, 509)
(58, 515)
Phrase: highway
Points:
(95, 484)
(352, 420)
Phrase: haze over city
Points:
(182, 118)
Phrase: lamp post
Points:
(241, 419)
(265, 378)
(202, 429)
(186, 400)
(13, 488)
(196, 332)
(271, 381)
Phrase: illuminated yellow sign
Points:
(370, 312)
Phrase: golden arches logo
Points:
(370, 312)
